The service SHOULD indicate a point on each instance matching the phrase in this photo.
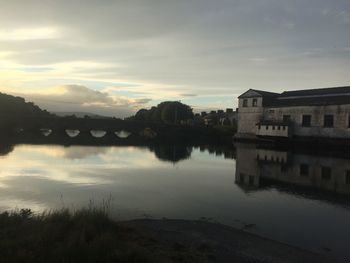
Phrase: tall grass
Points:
(84, 235)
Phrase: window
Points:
(349, 121)
(241, 178)
(284, 168)
(347, 177)
(286, 118)
(306, 121)
(255, 102)
(279, 127)
(245, 103)
(328, 121)
(251, 180)
(284, 127)
(304, 170)
(267, 127)
(326, 173)
(259, 126)
(273, 127)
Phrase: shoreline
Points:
(221, 243)
(90, 235)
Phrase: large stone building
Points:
(312, 113)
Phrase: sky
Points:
(113, 57)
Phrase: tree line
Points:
(166, 112)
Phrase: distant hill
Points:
(80, 115)
(16, 107)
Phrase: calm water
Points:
(306, 207)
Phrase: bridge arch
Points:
(46, 132)
(72, 132)
(98, 133)
(122, 134)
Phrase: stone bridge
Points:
(74, 127)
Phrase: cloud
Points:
(165, 49)
(21, 34)
(188, 95)
(77, 98)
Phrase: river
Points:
(302, 199)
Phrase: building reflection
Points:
(257, 167)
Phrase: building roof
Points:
(257, 93)
(317, 92)
(310, 97)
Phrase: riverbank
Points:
(89, 235)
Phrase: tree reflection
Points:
(171, 153)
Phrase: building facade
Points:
(305, 113)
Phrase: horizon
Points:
(112, 58)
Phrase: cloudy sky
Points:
(113, 57)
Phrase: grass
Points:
(86, 235)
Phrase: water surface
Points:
(259, 190)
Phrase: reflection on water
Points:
(273, 189)
(172, 153)
(257, 167)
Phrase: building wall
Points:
(272, 130)
(249, 116)
(341, 119)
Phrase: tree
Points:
(167, 112)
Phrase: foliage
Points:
(87, 235)
(165, 112)
(18, 107)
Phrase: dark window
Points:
(267, 127)
(328, 121)
(279, 127)
(245, 103)
(251, 180)
(255, 102)
(347, 177)
(326, 173)
(286, 118)
(306, 121)
(259, 127)
(349, 121)
(241, 178)
(284, 168)
(304, 170)
(284, 127)
(273, 127)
